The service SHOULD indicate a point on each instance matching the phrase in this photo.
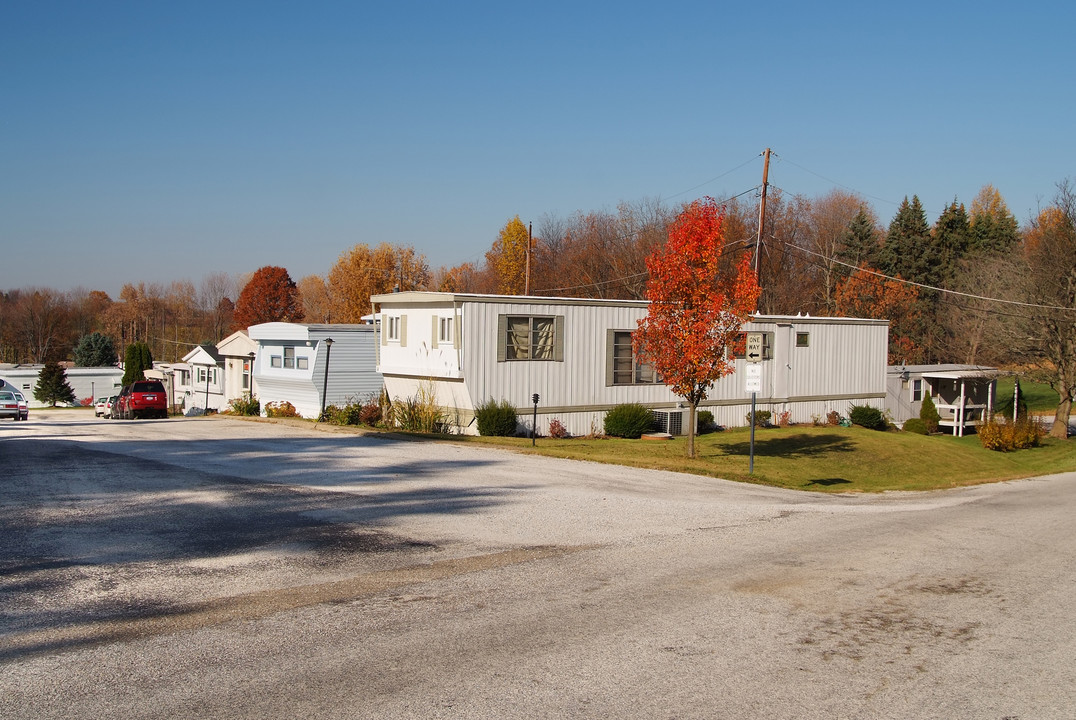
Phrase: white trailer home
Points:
(294, 363)
(576, 354)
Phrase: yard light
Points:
(534, 421)
(250, 381)
(325, 382)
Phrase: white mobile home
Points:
(576, 354)
(964, 395)
(295, 363)
(89, 383)
(237, 351)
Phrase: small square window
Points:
(803, 339)
(275, 361)
(302, 363)
(444, 330)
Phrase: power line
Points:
(714, 179)
(958, 293)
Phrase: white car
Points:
(24, 407)
(100, 407)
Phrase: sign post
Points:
(753, 377)
(534, 422)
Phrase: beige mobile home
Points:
(576, 355)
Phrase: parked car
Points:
(145, 398)
(24, 407)
(9, 405)
(109, 404)
(100, 406)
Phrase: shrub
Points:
(248, 406)
(629, 420)
(281, 409)
(342, 415)
(916, 425)
(370, 413)
(557, 431)
(867, 416)
(496, 418)
(784, 419)
(929, 414)
(762, 418)
(1006, 436)
(706, 421)
(833, 418)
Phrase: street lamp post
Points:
(325, 382)
(250, 380)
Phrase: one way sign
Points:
(753, 347)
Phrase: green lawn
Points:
(827, 459)
(1040, 397)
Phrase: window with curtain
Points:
(529, 338)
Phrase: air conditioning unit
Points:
(669, 421)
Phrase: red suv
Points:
(145, 398)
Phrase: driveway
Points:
(222, 568)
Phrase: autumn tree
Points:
(317, 305)
(507, 259)
(39, 324)
(829, 221)
(269, 296)
(363, 271)
(52, 386)
(1051, 284)
(866, 294)
(697, 310)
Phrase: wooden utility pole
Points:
(527, 278)
(762, 216)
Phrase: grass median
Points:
(826, 459)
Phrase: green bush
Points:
(762, 418)
(917, 426)
(496, 418)
(929, 414)
(249, 406)
(629, 420)
(706, 421)
(867, 416)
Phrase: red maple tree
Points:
(270, 296)
(697, 310)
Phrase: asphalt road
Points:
(225, 569)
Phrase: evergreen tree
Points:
(928, 413)
(95, 350)
(136, 361)
(52, 386)
(951, 238)
(909, 251)
(993, 227)
(859, 245)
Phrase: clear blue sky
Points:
(152, 141)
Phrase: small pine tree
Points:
(929, 414)
(136, 360)
(52, 386)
